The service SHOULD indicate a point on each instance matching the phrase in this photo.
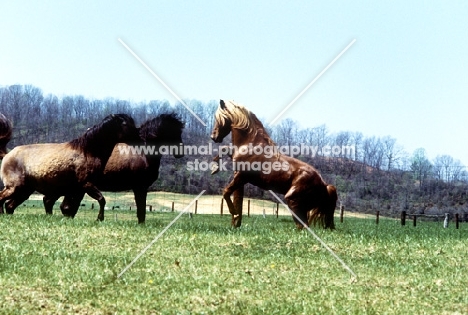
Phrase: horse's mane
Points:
(167, 123)
(93, 141)
(241, 118)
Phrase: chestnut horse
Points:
(304, 189)
(58, 169)
(135, 171)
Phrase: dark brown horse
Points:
(135, 171)
(59, 169)
(5, 134)
(256, 162)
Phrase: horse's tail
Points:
(5, 134)
(325, 212)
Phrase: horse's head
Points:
(5, 134)
(124, 127)
(222, 126)
(165, 129)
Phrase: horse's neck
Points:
(100, 148)
(243, 137)
(153, 159)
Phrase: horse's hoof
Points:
(214, 168)
(300, 226)
(236, 221)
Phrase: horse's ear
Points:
(222, 105)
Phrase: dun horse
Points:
(135, 171)
(59, 169)
(303, 187)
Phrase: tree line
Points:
(377, 174)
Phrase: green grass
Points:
(50, 264)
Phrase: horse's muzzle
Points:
(216, 138)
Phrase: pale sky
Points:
(406, 75)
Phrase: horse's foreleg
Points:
(140, 200)
(94, 193)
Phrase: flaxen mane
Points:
(239, 116)
(243, 119)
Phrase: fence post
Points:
(456, 220)
(377, 214)
(92, 206)
(172, 208)
(446, 220)
(403, 217)
(248, 208)
(341, 213)
(222, 202)
(277, 208)
(414, 220)
(151, 208)
(196, 206)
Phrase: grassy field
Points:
(50, 264)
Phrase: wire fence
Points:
(123, 205)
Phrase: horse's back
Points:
(46, 165)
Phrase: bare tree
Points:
(285, 132)
(420, 166)
(373, 153)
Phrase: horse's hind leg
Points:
(49, 202)
(300, 215)
(140, 200)
(238, 199)
(94, 193)
(236, 187)
(14, 196)
(4, 195)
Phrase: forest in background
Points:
(377, 175)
